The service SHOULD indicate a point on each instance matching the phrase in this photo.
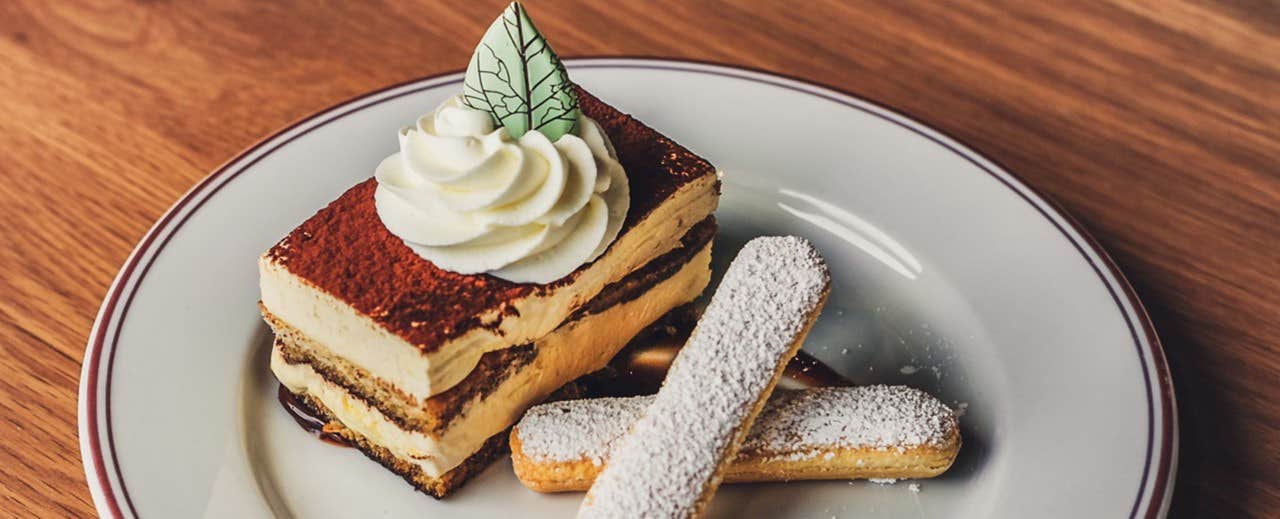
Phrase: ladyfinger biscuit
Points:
(889, 432)
(673, 458)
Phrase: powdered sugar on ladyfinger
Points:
(672, 459)
(793, 424)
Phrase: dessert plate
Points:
(950, 275)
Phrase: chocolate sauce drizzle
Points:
(309, 420)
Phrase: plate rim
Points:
(1162, 438)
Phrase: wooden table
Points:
(1157, 124)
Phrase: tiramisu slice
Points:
(523, 233)
(437, 444)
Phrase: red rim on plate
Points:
(97, 446)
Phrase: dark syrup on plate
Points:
(308, 420)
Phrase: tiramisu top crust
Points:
(346, 251)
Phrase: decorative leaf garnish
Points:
(516, 77)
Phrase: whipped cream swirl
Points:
(469, 198)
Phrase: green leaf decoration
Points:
(516, 77)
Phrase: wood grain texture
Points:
(1156, 123)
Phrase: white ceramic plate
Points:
(951, 275)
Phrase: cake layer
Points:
(438, 486)
(445, 430)
(344, 280)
